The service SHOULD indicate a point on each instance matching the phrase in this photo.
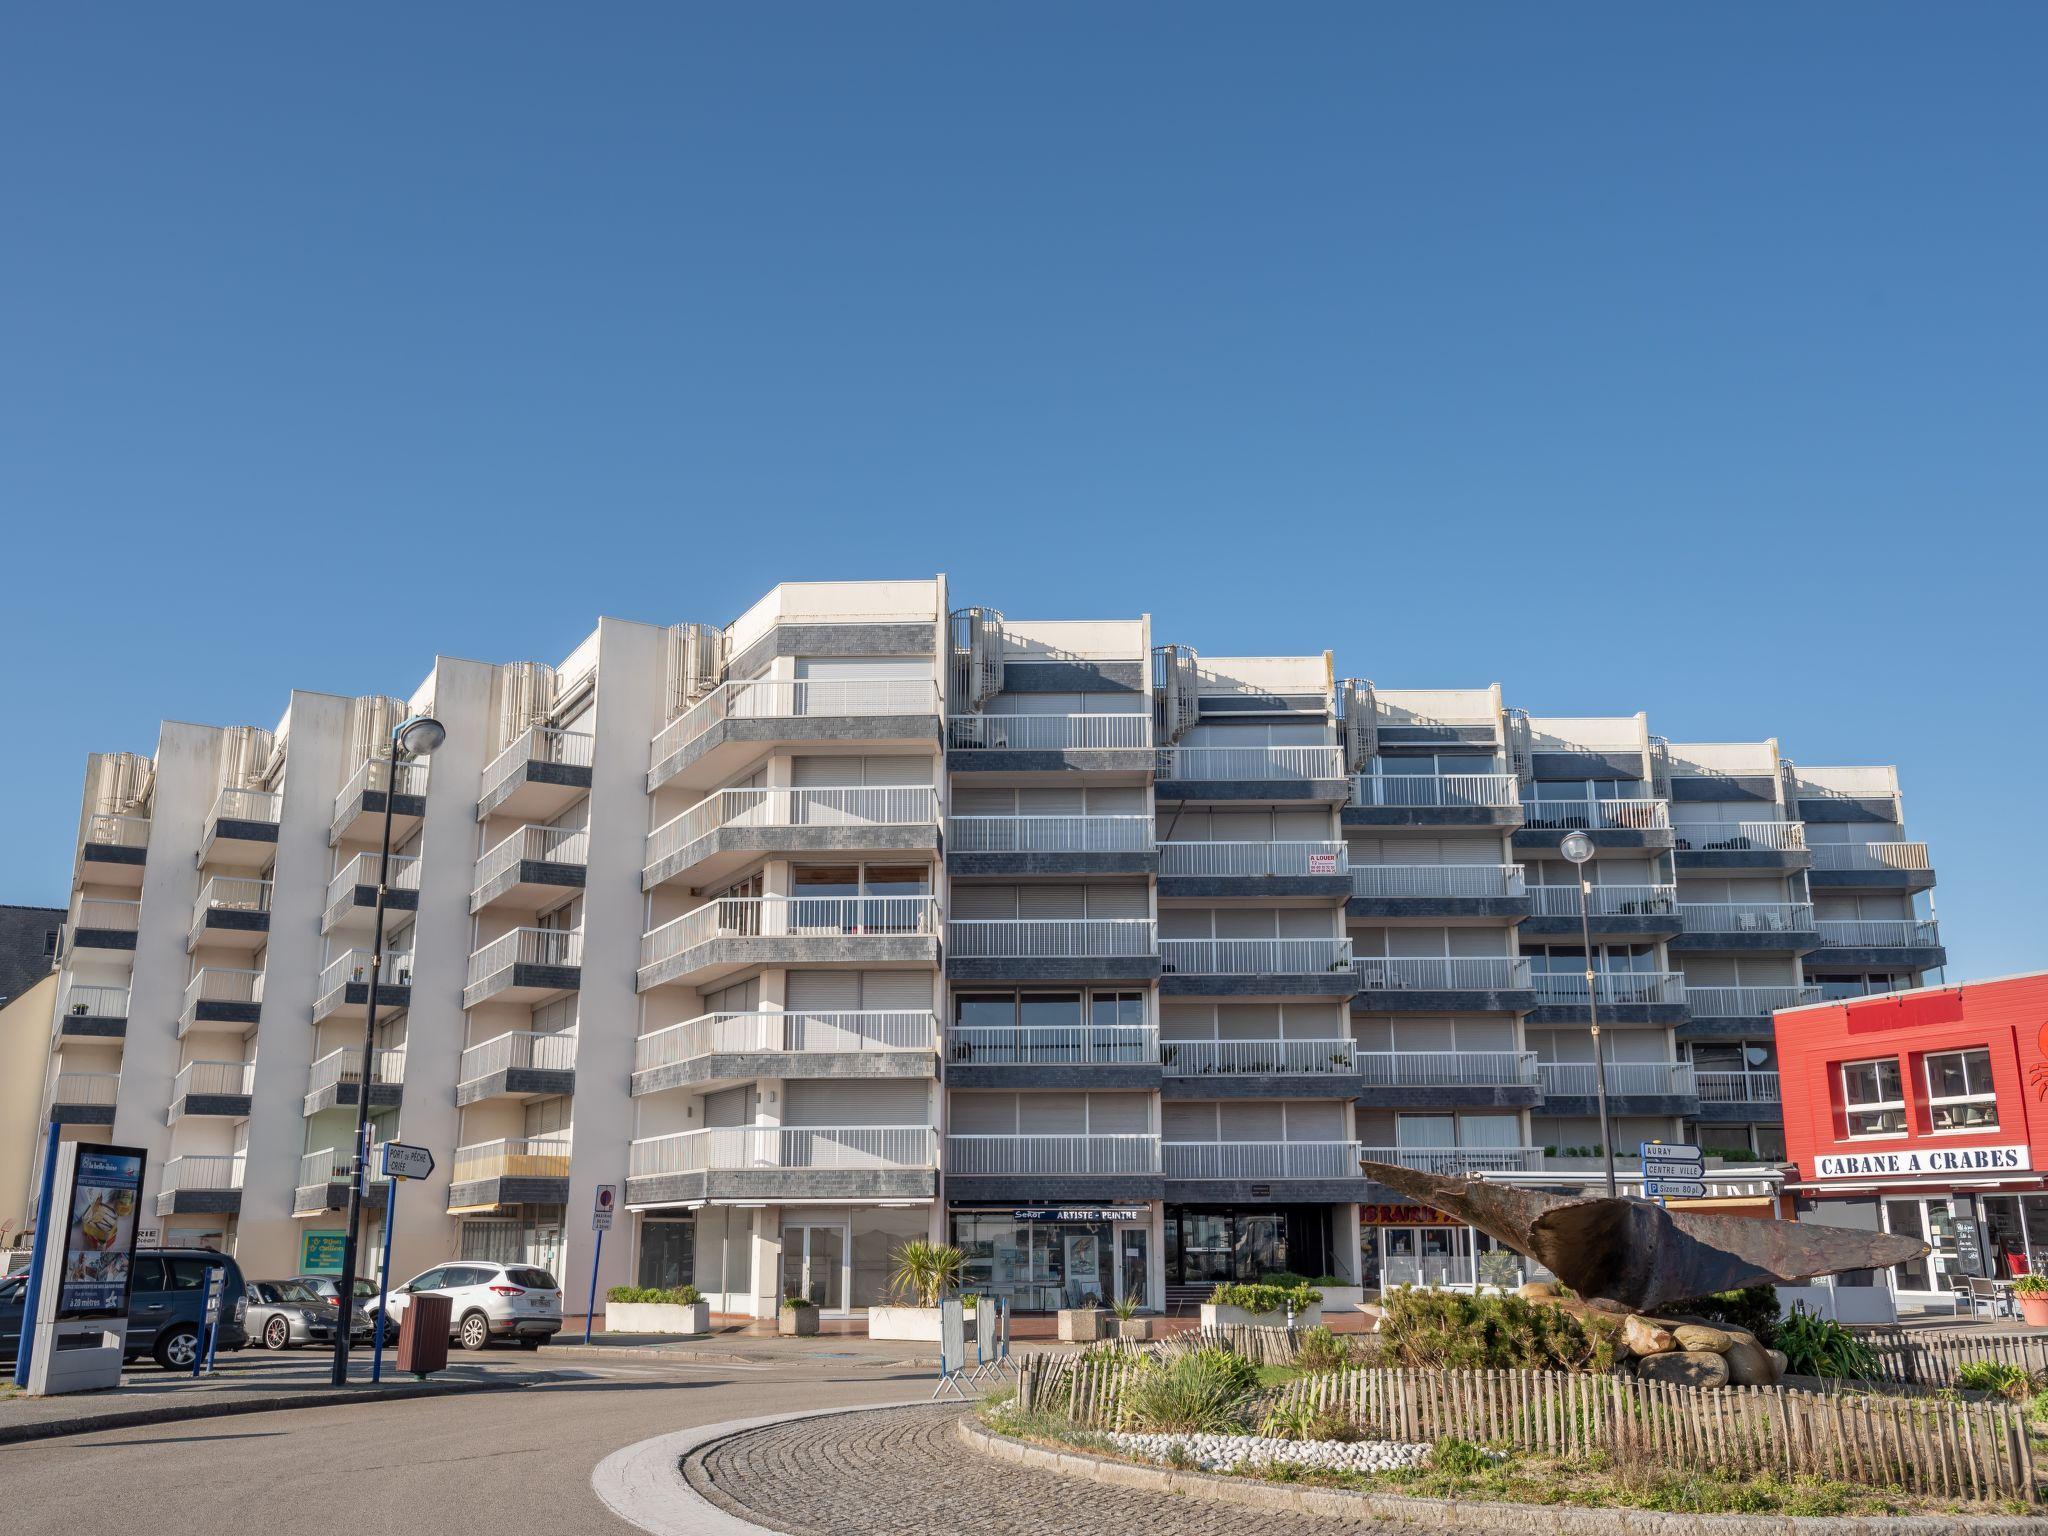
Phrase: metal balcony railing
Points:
(1050, 834)
(97, 1090)
(1737, 1087)
(1254, 859)
(1258, 1058)
(99, 1002)
(1052, 938)
(104, 831)
(1251, 763)
(370, 777)
(524, 946)
(331, 1165)
(1746, 916)
(225, 1079)
(1746, 1002)
(1435, 791)
(1254, 957)
(1436, 973)
(781, 698)
(1574, 1079)
(1608, 901)
(215, 1171)
(108, 913)
(222, 984)
(784, 1146)
(1878, 933)
(346, 1066)
(1458, 1160)
(791, 917)
(362, 871)
(1448, 1069)
(1567, 989)
(1260, 1159)
(805, 1033)
(536, 1157)
(540, 845)
(519, 1050)
(1079, 1045)
(905, 805)
(1078, 1153)
(1739, 836)
(233, 804)
(1624, 814)
(1905, 856)
(352, 968)
(1049, 733)
(1442, 882)
(230, 893)
(537, 744)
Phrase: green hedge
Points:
(1266, 1298)
(658, 1295)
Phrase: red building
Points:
(1925, 1112)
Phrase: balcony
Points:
(1308, 1170)
(103, 923)
(1737, 1095)
(217, 994)
(324, 1178)
(737, 721)
(1051, 845)
(1634, 911)
(209, 1185)
(1057, 1166)
(1625, 997)
(221, 1089)
(113, 850)
(1437, 890)
(1437, 983)
(1742, 927)
(1080, 1055)
(724, 831)
(1457, 1161)
(1733, 1013)
(1097, 743)
(1434, 800)
(84, 1098)
(540, 774)
(1252, 773)
(344, 988)
(1238, 869)
(1870, 867)
(1623, 823)
(358, 815)
(735, 932)
(717, 1049)
(527, 965)
(1052, 949)
(231, 912)
(519, 1064)
(1705, 845)
(352, 894)
(1633, 1087)
(785, 1163)
(1914, 942)
(490, 1175)
(241, 829)
(1301, 1068)
(531, 869)
(335, 1080)
(91, 1012)
(1256, 968)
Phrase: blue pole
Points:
(383, 1280)
(37, 1257)
(591, 1306)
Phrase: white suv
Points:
(486, 1301)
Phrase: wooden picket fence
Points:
(1929, 1358)
(1931, 1446)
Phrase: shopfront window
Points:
(668, 1251)
(1873, 1097)
(1959, 1092)
(1041, 1265)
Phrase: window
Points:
(1959, 1091)
(187, 1274)
(1117, 1008)
(1874, 1097)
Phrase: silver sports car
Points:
(283, 1313)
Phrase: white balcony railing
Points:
(96, 1090)
(1077, 1153)
(783, 1146)
(1260, 1159)
(1608, 901)
(81, 999)
(331, 1165)
(108, 913)
(1746, 1002)
(1738, 836)
(1878, 933)
(1049, 733)
(1746, 916)
(519, 1050)
(1080, 1045)
(1050, 834)
(1258, 1058)
(804, 1033)
(370, 777)
(1737, 1087)
(209, 1171)
(229, 1079)
(1904, 856)
(540, 845)
(524, 946)
(1436, 973)
(1051, 938)
(351, 968)
(346, 1066)
(1623, 814)
(361, 871)
(222, 984)
(1458, 1160)
(1251, 763)
(104, 831)
(537, 744)
(536, 1157)
(1567, 989)
(233, 804)
(230, 893)
(1254, 859)
(1574, 1079)
(782, 698)
(1254, 957)
(904, 805)
(1434, 791)
(1448, 1069)
(1442, 882)
(791, 917)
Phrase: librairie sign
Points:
(1923, 1162)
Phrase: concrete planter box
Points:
(797, 1322)
(919, 1323)
(657, 1317)
(1214, 1316)
(1138, 1328)
(1084, 1325)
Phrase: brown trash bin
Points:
(423, 1333)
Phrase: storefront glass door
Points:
(1133, 1263)
(814, 1265)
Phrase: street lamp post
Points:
(1578, 847)
(414, 736)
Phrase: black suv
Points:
(167, 1305)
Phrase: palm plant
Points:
(926, 1271)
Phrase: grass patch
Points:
(1277, 1375)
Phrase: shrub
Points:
(925, 1271)
(1322, 1350)
(1126, 1308)
(1459, 1458)
(2030, 1285)
(1500, 1268)
(1305, 1421)
(1448, 1330)
(671, 1295)
(1265, 1298)
(1286, 1279)
(1754, 1309)
(1817, 1346)
(795, 1303)
(1203, 1391)
(1992, 1376)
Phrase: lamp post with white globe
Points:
(414, 736)
(1578, 847)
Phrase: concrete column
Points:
(1345, 1239)
(767, 1247)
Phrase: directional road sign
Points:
(1677, 1189)
(404, 1162)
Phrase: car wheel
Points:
(177, 1350)
(531, 1342)
(277, 1334)
(475, 1332)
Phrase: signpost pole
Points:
(24, 1348)
(383, 1277)
(604, 1203)
(590, 1306)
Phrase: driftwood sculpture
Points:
(1640, 1254)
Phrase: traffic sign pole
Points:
(602, 1207)
(596, 1252)
(383, 1280)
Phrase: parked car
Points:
(166, 1307)
(487, 1301)
(285, 1313)
(328, 1288)
(13, 1305)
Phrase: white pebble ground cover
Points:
(1219, 1453)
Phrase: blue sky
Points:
(1679, 358)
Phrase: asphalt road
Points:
(515, 1462)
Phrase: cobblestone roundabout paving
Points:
(902, 1472)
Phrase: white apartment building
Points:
(862, 918)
